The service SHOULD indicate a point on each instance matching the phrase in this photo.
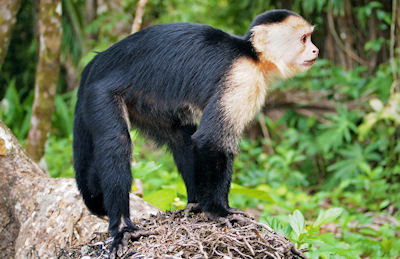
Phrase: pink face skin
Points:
(311, 50)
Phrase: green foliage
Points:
(162, 199)
(334, 232)
(59, 156)
(258, 193)
(365, 11)
(338, 131)
(63, 116)
(341, 85)
(311, 235)
(73, 29)
(15, 111)
(19, 65)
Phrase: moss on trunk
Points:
(50, 35)
(8, 13)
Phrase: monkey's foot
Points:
(119, 239)
(120, 242)
(126, 231)
(192, 207)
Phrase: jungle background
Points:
(320, 164)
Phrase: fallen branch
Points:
(305, 103)
(39, 214)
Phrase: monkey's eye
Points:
(303, 39)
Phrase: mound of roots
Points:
(172, 235)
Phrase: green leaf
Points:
(61, 114)
(258, 194)
(297, 223)
(162, 199)
(280, 227)
(365, 127)
(328, 216)
(374, 45)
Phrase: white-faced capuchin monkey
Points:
(188, 86)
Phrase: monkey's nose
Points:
(315, 51)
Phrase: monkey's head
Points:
(282, 41)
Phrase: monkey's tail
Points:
(85, 171)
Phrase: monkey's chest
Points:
(245, 92)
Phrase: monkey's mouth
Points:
(309, 62)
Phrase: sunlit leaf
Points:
(258, 194)
(297, 223)
(325, 217)
(162, 199)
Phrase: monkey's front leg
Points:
(213, 169)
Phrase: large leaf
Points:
(297, 223)
(328, 216)
(162, 199)
(258, 194)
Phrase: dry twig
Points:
(173, 235)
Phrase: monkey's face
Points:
(286, 44)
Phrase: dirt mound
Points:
(172, 235)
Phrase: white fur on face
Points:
(281, 43)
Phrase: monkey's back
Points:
(167, 72)
(177, 61)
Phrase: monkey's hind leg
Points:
(182, 149)
(112, 155)
(85, 171)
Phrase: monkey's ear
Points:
(259, 38)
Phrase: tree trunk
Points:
(121, 27)
(90, 16)
(50, 34)
(8, 14)
(39, 214)
(393, 38)
(137, 22)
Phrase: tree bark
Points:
(90, 16)
(346, 50)
(50, 34)
(8, 14)
(395, 69)
(137, 22)
(329, 46)
(39, 214)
